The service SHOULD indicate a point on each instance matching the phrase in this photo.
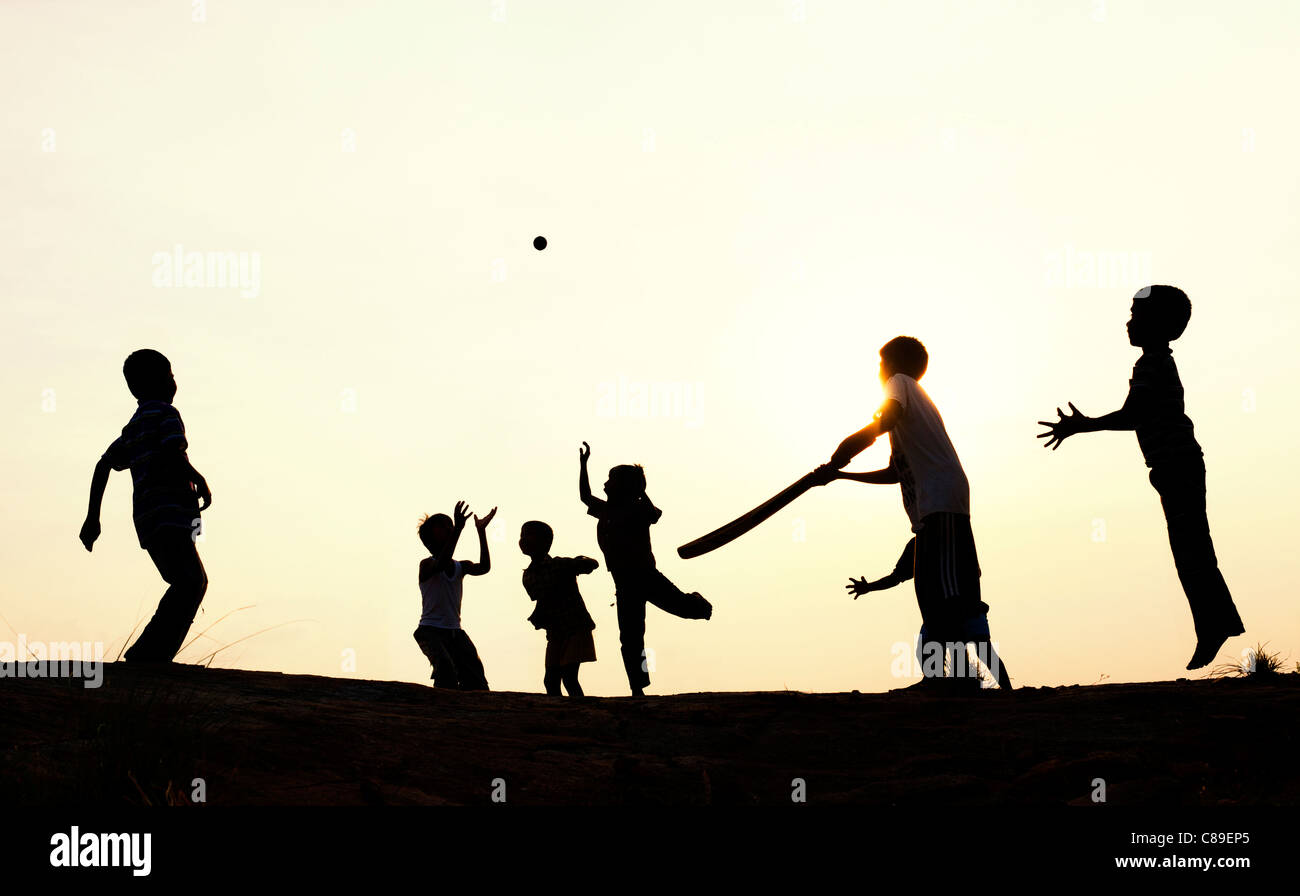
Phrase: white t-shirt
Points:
(441, 596)
(937, 480)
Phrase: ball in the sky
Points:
(540, 243)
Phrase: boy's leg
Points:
(569, 674)
(552, 681)
(468, 665)
(173, 552)
(989, 657)
(668, 597)
(631, 635)
(1214, 615)
(434, 648)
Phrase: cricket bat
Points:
(739, 526)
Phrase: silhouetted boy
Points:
(452, 654)
(165, 504)
(553, 583)
(936, 496)
(1154, 410)
(979, 636)
(623, 533)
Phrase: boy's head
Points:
(535, 538)
(903, 354)
(435, 530)
(625, 481)
(149, 375)
(1160, 314)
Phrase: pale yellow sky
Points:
(743, 202)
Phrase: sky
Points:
(742, 201)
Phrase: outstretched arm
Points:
(902, 572)
(1077, 421)
(98, 482)
(442, 560)
(887, 476)
(484, 563)
(885, 420)
(584, 484)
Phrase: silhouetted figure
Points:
(165, 505)
(979, 635)
(1154, 410)
(936, 496)
(623, 532)
(553, 583)
(450, 651)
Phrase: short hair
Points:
(542, 532)
(1170, 309)
(906, 355)
(632, 474)
(429, 522)
(146, 372)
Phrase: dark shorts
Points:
(947, 572)
(454, 658)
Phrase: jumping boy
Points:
(450, 651)
(553, 583)
(1154, 410)
(623, 533)
(983, 648)
(165, 505)
(936, 496)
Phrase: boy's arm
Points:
(887, 476)
(652, 513)
(442, 560)
(1126, 418)
(200, 486)
(484, 564)
(584, 484)
(98, 482)
(584, 565)
(902, 572)
(885, 420)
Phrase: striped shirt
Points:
(1155, 402)
(152, 446)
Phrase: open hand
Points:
(1060, 430)
(584, 453)
(460, 514)
(89, 532)
(858, 586)
(482, 522)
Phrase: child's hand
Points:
(584, 453)
(587, 564)
(89, 532)
(482, 523)
(201, 490)
(460, 515)
(1062, 429)
(825, 474)
(858, 586)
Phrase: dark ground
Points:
(265, 738)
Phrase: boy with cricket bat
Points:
(936, 496)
